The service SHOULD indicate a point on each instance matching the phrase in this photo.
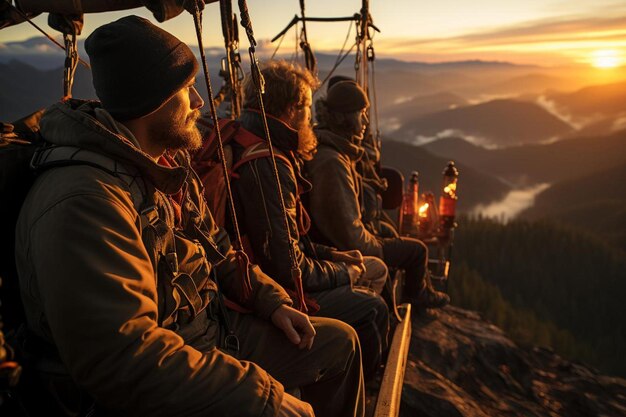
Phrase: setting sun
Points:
(606, 58)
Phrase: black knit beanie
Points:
(137, 66)
(346, 97)
(337, 78)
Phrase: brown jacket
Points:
(334, 201)
(91, 289)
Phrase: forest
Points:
(544, 284)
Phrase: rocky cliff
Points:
(461, 366)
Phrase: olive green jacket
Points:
(91, 289)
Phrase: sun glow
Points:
(606, 58)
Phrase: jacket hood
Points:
(342, 144)
(283, 137)
(73, 123)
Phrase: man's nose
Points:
(195, 100)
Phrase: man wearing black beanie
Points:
(120, 259)
(337, 197)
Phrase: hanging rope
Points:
(259, 82)
(340, 57)
(309, 57)
(33, 24)
(371, 59)
(241, 256)
(231, 70)
(282, 38)
(71, 63)
(361, 64)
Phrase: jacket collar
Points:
(340, 143)
(283, 137)
(74, 123)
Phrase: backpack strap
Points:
(258, 149)
(228, 128)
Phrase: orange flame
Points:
(423, 210)
(450, 189)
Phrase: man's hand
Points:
(350, 257)
(355, 273)
(353, 260)
(295, 325)
(293, 407)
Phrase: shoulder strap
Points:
(259, 150)
(228, 129)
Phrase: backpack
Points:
(23, 154)
(207, 164)
(208, 167)
(18, 142)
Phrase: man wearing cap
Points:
(120, 261)
(335, 199)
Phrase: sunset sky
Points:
(543, 32)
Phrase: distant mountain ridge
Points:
(502, 122)
(595, 203)
(474, 186)
(606, 100)
(25, 89)
(532, 164)
(422, 105)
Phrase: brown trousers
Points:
(329, 375)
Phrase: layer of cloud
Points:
(512, 204)
(556, 41)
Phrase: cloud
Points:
(619, 123)
(557, 40)
(512, 204)
(420, 140)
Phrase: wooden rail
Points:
(390, 393)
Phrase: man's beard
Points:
(307, 141)
(180, 135)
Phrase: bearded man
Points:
(119, 262)
(336, 199)
(331, 277)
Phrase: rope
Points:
(282, 38)
(259, 82)
(197, 18)
(71, 63)
(372, 60)
(50, 38)
(231, 44)
(303, 34)
(309, 57)
(340, 57)
(334, 68)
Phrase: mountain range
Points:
(532, 164)
(595, 203)
(474, 186)
(502, 122)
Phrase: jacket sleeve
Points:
(260, 209)
(98, 293)
(323, 251)
(267, 294)
(335, 207)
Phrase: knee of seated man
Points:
(336, 337)
(375, 268)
